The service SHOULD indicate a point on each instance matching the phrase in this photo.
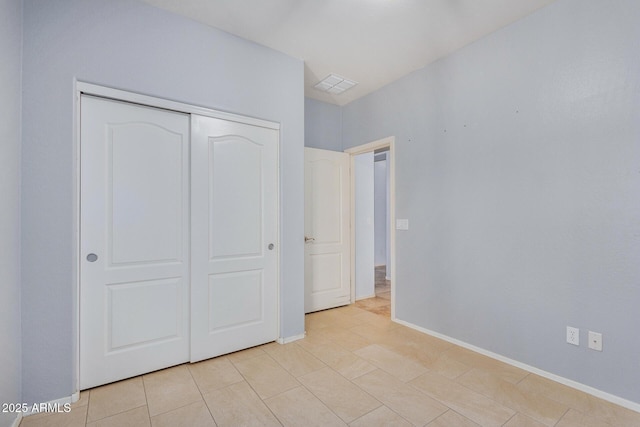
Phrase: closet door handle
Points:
(92, 257)
(309, 239)
(271, 246)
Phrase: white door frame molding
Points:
(81, 88)
(388, 142)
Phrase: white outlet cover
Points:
(595, 341)
(573, 335)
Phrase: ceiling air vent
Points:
(335, 84)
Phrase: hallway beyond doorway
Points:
(381, 303)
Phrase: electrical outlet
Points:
(595, 341)
(573, 335)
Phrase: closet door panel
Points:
(134, 240)
(234, 303)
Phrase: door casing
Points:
(379, 144)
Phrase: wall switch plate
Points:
(402, 224)
(573, 335)
(595, 341)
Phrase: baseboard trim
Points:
(553, 377)
(287, 340)
(57, 402)
(17, 421)
(365, 297)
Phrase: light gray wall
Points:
(518, 166)
(380, 211)
(364, 206)
(322, 125)
(132, 46)
(10, 67)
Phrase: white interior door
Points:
(134, 231)
(234, 219)
(326, 225)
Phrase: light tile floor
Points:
(354, 368)
(381, 303)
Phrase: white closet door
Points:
(134, 240)
(234, 239)
(327, 272)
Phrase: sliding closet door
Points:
(134, 240)
(234, 236)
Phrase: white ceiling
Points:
(373, 42)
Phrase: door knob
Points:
(271, 246)
(308, 239)
(92, 257)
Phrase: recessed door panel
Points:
(235, 300)
(327, 228)
(136, 236)
(144, 313)
(235, 200)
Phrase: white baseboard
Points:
(553, 377)
(17, 421)
(60, 402)
(287, 340)
(365, 297)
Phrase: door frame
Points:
(388, 142)
(85, 88)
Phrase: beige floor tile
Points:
(138, 417)
(399, 366)
(298, 407)
(452, 419)
(349, 310)
(214, 374)
(343, 361)
(351, 366)
(521, 420)
(323, 348)
(405, 400)
(345, 338)
(534, 405)
(372, 302)
(317, 321)
(83, 400)
(448, 367)
(76, 418)
(341, 396)
(471, 404)
(295, 359)
(388, 337)
(377, 321)
(112, 399)
(266, 376)
(479, 361)
(238, 405)
(571, 397)
(575, 418)
(342, 319)
(589, 405)
(170, 389)
(384, 295)
(381, 417)
(246, 354)
(436, 345)
(194, 415)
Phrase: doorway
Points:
(373, 251)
